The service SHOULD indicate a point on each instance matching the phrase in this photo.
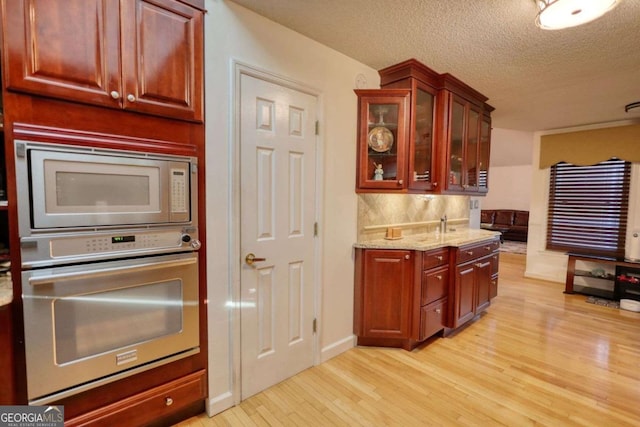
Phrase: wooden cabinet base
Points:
(405, 344)
(162, 405)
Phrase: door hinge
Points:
(317, 127)
(315, 325)
(315, 229)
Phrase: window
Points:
(588, 207)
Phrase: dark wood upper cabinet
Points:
(140, 55)
(449, 133)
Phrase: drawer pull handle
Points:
(439, 277)
(478, 264)
(438, 311)
(407, 256)
(439, 257)
(168, 401)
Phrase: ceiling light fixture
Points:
(559, 14)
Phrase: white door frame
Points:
(240, 69)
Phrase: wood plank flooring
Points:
(536, 357)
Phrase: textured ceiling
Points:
(536, 79)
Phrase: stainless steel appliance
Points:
(110, 272)
(69, 192)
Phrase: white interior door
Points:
(278, 208)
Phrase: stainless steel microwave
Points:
(65, 190)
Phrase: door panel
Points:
(483, 283)
(63, 48)
(162, 58)
(464, 290)
(278, 161)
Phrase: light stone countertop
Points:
(6, 290)
(427, 241)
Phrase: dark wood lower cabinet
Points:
(7, 393)
(400, 296)
(403, 297)
(475, 282)
(162, 405)
(385, 291)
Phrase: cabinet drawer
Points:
(435, 258)
(434, 285)
(149, 406)
(432, 318)
(467, 253)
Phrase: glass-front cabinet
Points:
(421, 149)
(422, 132)
(382, 139)
(484, 151)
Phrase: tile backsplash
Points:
(413, 213)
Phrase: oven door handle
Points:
(50, 279)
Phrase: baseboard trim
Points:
(220, 403)
(337, 347)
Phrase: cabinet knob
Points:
(168, 401)
(469, 252)
(478, 264)
(400, 182)
(114, 94)
(439, 257)
(439, 277)
(435, 184)
(438, 311)
(487, 248)
(407, 256)
(131, 98)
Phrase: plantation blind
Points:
(588, 207)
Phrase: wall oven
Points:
(108, 242)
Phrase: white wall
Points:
(510, 170)
(509, 188)
(552, 265)
(234, 33)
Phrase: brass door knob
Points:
(251, 258)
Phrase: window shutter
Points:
(588, 207)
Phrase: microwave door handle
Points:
(50, 279)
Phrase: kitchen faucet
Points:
(443, 224)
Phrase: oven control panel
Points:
(122, 242)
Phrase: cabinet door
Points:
(483, 274)
(63, 48)
(162, 58)
(457, 134)
(387, 293)
(470, 178)
(484, 151)
(422, 163)
(382, 133)
(464, 303)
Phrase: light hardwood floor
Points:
(536, 357)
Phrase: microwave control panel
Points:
(179, 193)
